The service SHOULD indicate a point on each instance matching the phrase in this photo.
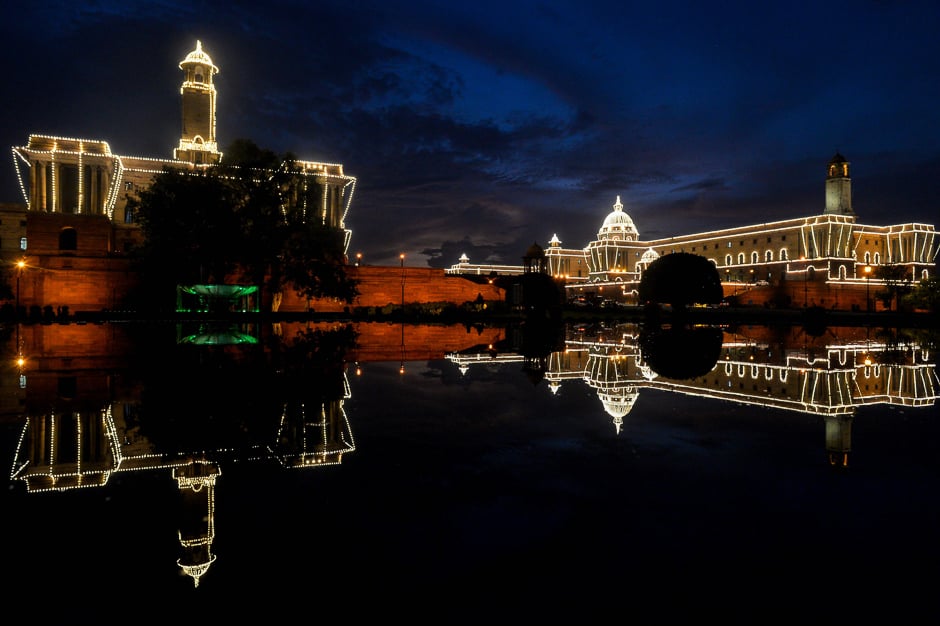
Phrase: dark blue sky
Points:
(481, 127)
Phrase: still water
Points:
(454, 474)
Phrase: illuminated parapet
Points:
(67, 175)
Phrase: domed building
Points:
(827, 259)
(608, 256)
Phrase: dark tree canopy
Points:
(925, 295)
(681, 279)
(241, 222)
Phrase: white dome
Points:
(649, 256)
(199, 57)
(618, 225)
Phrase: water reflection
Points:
(787, 368)
(185, 406)
(96, 401)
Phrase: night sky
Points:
(481, 127)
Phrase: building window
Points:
(22, 243)
(754, 257)
(783, 254)
(729, 244)
(741, 258)
(129, 215)
(68, 239)
(769, 256)
(783, 237)
(728, 259)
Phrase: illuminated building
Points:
(72, 177)
(818, 259)
(76, 227)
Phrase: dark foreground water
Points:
(492, 496)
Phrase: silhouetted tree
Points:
(897, 283)
(243, 221)
(680, 279)
(924, 296)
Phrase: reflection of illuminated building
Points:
(66, 450)
(322, 440)
(831, 380)
(82, 427)
(613, 367)
(196, 481)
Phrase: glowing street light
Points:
(402, 258)
(358, 259)
(19, 271)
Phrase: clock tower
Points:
(198, 95)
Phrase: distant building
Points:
(465, 267)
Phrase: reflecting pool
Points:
(461, 474)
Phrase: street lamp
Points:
(402, 258)
(867, 287)
(805, 276)
(19, 271)
(358, 259)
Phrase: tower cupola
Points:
(838, 187)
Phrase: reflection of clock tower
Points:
(197, 142)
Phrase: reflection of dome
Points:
(618, 225)
(619, 404)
